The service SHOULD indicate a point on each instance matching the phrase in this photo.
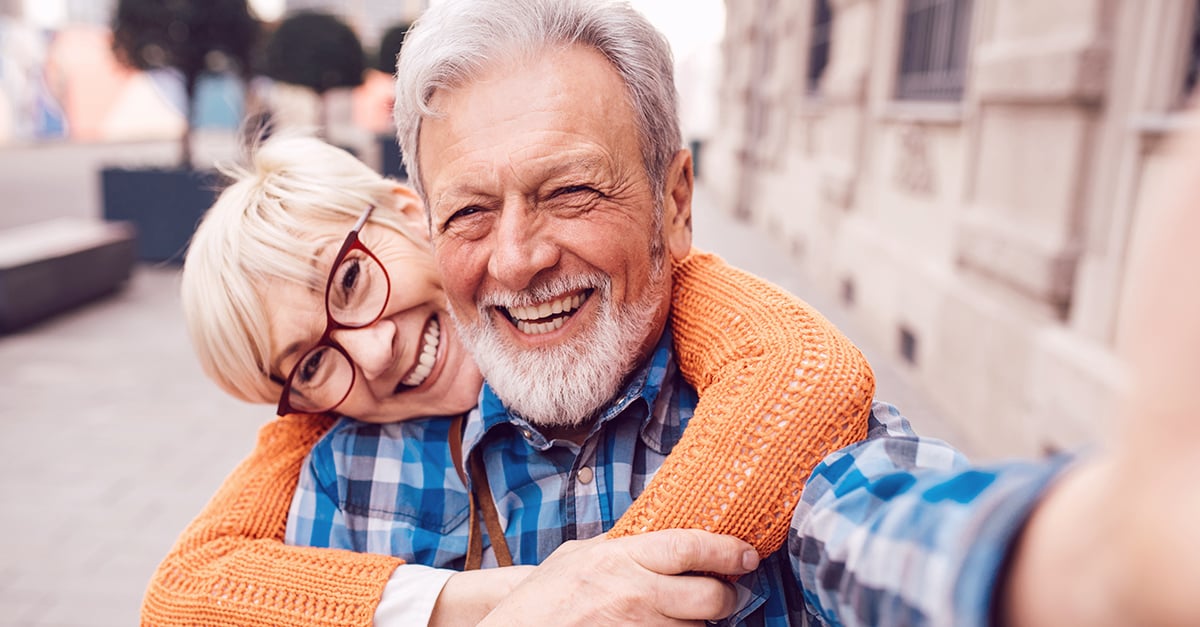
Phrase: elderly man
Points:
(542, 135)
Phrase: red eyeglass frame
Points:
(331, 324)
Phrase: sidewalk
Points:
(111, 438)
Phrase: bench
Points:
(52, 266)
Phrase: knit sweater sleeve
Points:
(780, 388)
(231, 567)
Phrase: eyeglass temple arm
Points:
(363, 220)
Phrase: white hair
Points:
(456, 40)
(564, 385)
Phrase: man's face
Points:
(542, 217)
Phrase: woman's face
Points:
(392, 381)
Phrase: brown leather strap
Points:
(456, 429)
(474, 541)
(491, 518)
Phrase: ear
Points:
(406, 201)
(677, 205)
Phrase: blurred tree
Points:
(389, 48)
(191, 36)
(318, 51)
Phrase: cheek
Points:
(620, 250)
(462, 266)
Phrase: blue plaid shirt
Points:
(895, 530)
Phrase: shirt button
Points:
(526, 433)
(585, 475)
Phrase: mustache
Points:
(545, 290)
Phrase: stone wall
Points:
(984, 238)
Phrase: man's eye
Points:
(468, 222)
(574, 189)
(465, 212)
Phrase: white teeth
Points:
(538, 328)
(524, 315)
(426, 357)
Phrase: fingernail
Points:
(750, 560)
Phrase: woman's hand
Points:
(468, 596)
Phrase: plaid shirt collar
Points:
(661, 428)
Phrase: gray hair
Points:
(456, 40)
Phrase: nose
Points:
(371, 347)
(522, 247)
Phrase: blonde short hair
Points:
(266, 226)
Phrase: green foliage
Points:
(315, 50)
(389, 48)
(192, 36)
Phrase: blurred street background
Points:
(955, 183)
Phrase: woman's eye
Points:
(349, 275)
(349, 284)
(311, 366)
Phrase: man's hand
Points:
(1115, 543)
(633, 580)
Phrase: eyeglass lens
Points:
(356, 296)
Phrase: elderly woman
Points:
(311, 284)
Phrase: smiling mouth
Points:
(545, 317)
(426, 356)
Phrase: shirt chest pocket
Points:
(420, 524)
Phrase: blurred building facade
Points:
(968, 176)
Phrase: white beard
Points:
(564, 385)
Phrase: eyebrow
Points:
(586, 165)
(277, 365)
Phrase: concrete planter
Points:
(391, 165)
(164, 205)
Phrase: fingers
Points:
(677, 551)
(634, 580)
(694, 598)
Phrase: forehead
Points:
(529, 116)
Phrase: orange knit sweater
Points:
(779, 386)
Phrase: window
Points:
(933, 54)
(1193, 62)
(818, 45)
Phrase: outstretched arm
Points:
(1116, 542)
(230, 566)
(780, 388)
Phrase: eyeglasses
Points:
(355, 296)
